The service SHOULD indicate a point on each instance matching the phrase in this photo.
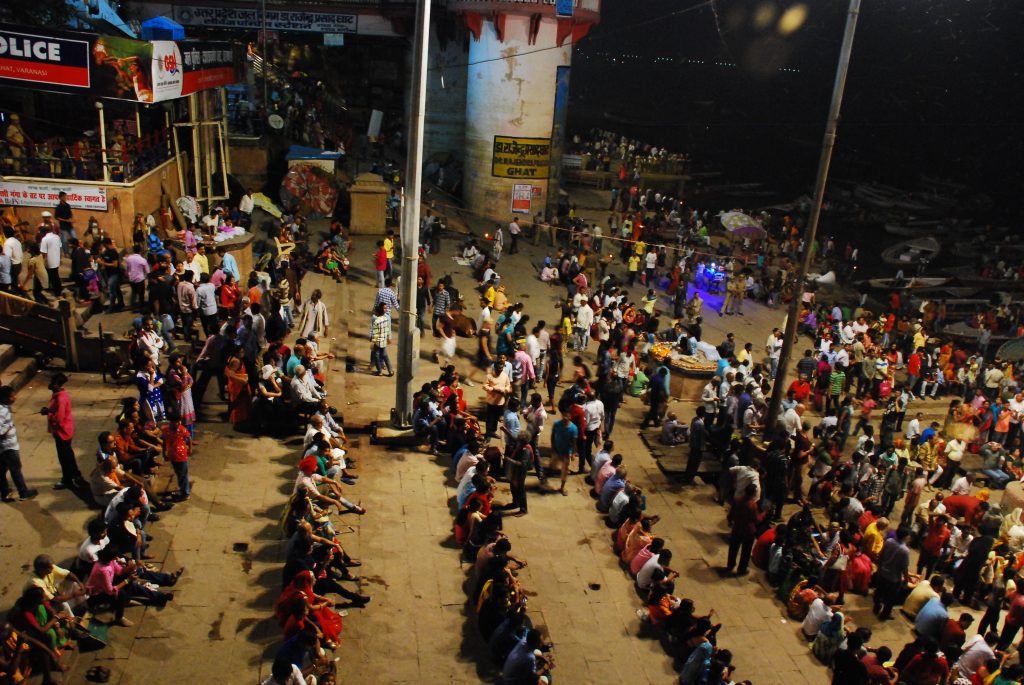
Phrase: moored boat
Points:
(911, 252)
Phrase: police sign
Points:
(58, 60)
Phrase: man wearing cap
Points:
(50, 247)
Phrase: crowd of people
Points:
(316, 562)
(867, 377)
(113, 568)
(194, 325)
(128, 155)
(603, 149)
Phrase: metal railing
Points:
(124, 164)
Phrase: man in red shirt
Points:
(934, 540)
(800, 388)
(914, 369)
(1014, 620)
(927, 668)
(953, 636)
(177, 445)
(380, 263)
(967, 507)
(745, 517)
(61, 425)
(579, 418)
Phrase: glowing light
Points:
(792, 19)
(764, 16)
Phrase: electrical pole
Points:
(779, 388)
(408, 334)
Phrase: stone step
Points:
(19, 372)
(7, 355)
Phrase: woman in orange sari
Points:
(320, 612)
(239, 395)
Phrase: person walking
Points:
(61, 425)
(892, 573)
(50, 247)
(10, 451)
(698, 439)
(745, 517)
(380, 337)
(514, 232)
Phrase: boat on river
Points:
(909, 283)
(911, 252)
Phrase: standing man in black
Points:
(62, 212)
(698, 439)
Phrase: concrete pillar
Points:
(510, 95)
(445, 124)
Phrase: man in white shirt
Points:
(773, 346)
(593, 415)
(514, 231)
(245, 207)
(817, 614)
(12, 248)
(584, 321)
(977, 652)
(206, 296)
(302, 393)
(962, 485)
(914, 429)
(645, 577)
(50, 247)
(1015, 405)
(544, 340)
(792, 420)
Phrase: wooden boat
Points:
(960, 330)
(993, 284)
(917, 229)
(904, 283)
(910, 252)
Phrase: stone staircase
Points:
(15, 371)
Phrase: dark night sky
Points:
(934, 87)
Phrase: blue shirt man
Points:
(932, 618)
(563, 437)
(229, 266)
(522, 664)
(513, 425)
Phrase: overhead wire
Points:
(591, 39)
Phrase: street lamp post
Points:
(408, 338)
(828, 142)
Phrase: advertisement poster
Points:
(112, 66)
(51, 60)
(522, 198)
(90, 198)
(276, 20)
(206, 65)
(122, 68)
(521, 157)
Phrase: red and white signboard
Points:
(181, 69)
(90, 198)
(522, 198)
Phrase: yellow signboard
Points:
(521, 157)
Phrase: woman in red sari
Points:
(239, 394)
(300, 591)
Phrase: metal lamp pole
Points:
(779, 388)
(408, 338)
